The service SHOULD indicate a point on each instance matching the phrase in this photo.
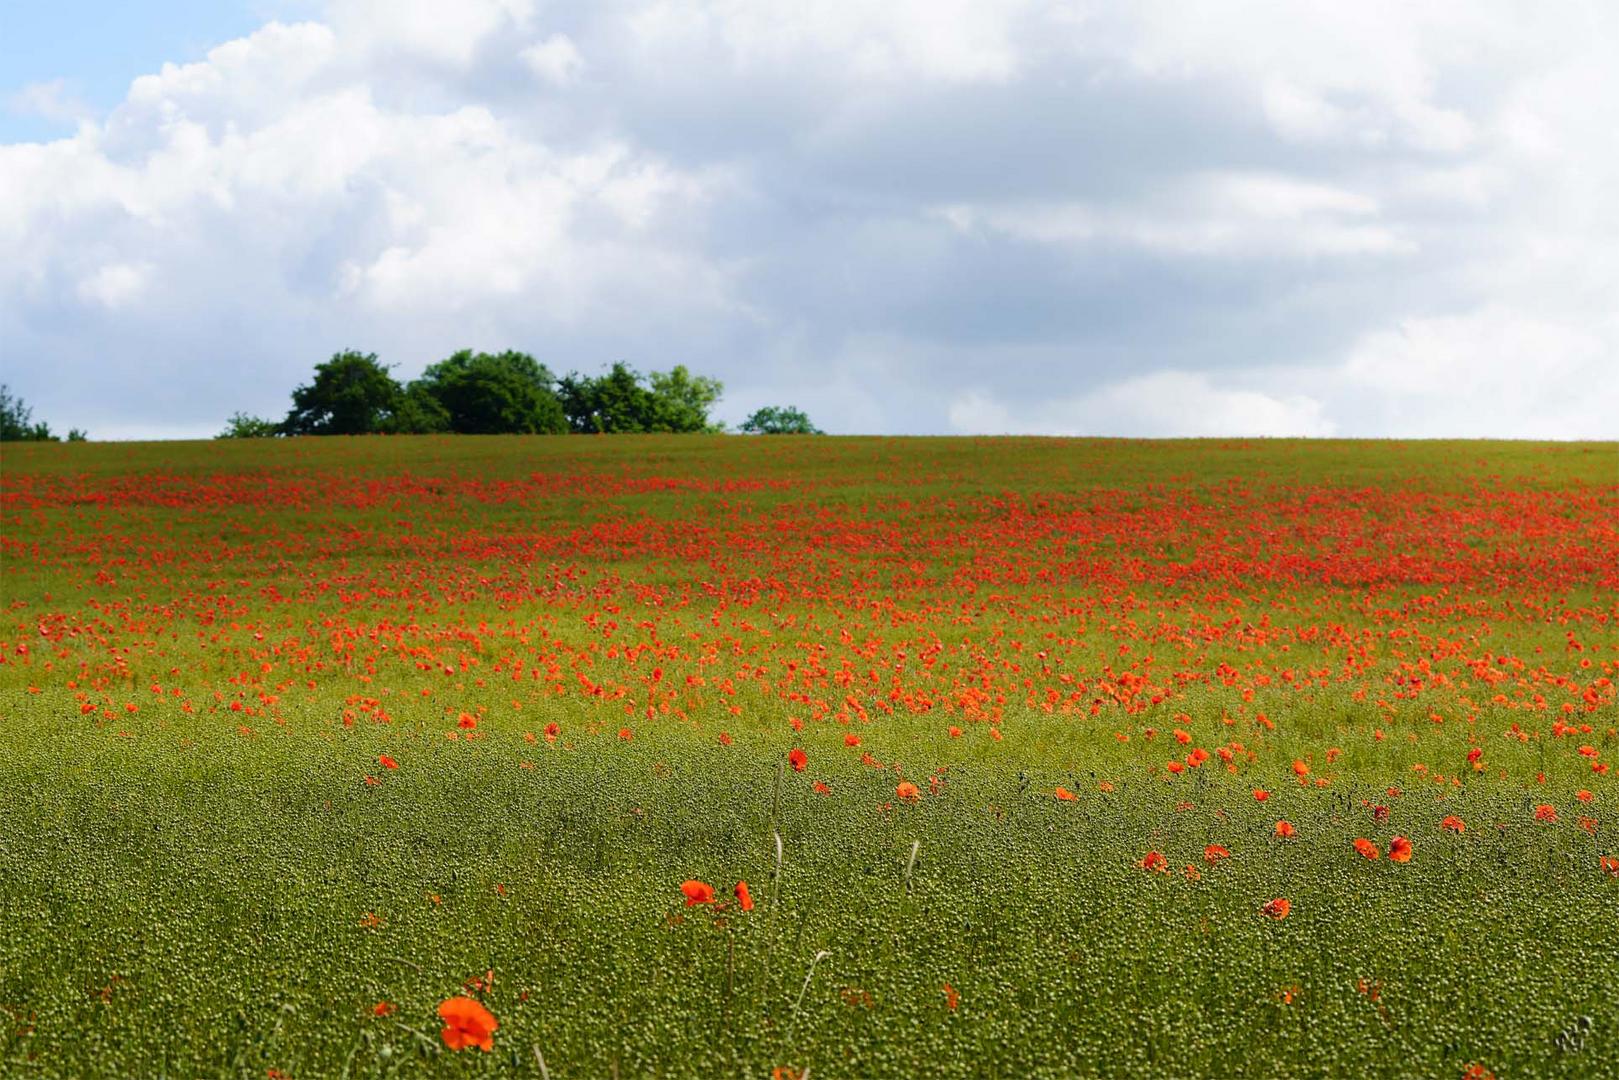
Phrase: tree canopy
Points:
(352, 394)
(476, 393)
(622, 401)
(489, 394)
(780, 420)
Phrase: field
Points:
(1038, 758)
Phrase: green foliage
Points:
(77, 435)
(352, 394)
(780, 420)
(419, 413)
(16, 421)
(242, 426)
(681, 400)
(506, 393)
(622, 401)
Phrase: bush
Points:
(242, 426)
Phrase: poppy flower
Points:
(1546, 812)
(1176, 767)
(1366, 847)
(821, 788)
(467, 1023)
(1214, 853)
(1278, 908)
(697, 892)
(1610, 865)
(1300, 769)
(725, 739)
(626, 734)
(467, 722)
(1453, 824)
(1064, 795)
(797, 759)
(851, 740)
(1260, 794)
(387, 762)
(1155, 861)
(744, 899)
(955, 732)
(908, 790)
(1400, 849)
(552, 730)
(1583, 795)
(384, 1008)
(1285, 830)
(1197, 757)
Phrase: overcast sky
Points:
(914, 216)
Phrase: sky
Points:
(1148, 218)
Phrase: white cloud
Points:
(1169, 404)
(1217, 214)
(556, 60)
(51, 100)
(116, 285)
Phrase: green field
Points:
(206, 868)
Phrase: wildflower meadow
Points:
(847, 757)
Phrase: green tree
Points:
(419, 413)
(242, 426)
(780, 420)
(352, 394)
(490, 394)
(613, 404)
(622, 401)
(681, 400)
(17, 421)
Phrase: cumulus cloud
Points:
(1147, 218)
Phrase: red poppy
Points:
(1400, 849)
(744, 899)
(1261, 794)
(1453, 824)
(1214, 853)
(1546, 812)
(1278, 908)
(1064, 795)
(697, 892)
(384, 1008)
(467, 1023)
(387, 762)
(908, 790)
(1285, 830)
(851, 740)
(797, 759)
(467, 722)
(1366, 847)
(1155, 861)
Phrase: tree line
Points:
(17, 422)
(507, 393)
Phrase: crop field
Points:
(713, 756)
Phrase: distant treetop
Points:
(780, 420)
